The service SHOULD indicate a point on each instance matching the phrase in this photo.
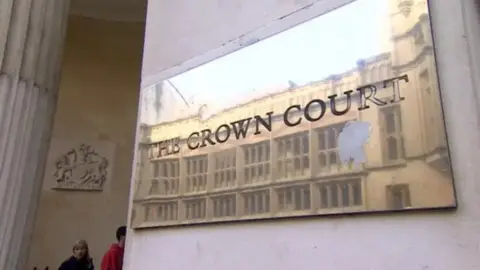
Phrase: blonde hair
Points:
(80, 244)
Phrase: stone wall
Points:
(97, 106)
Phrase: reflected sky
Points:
(327, 45)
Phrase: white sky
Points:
(327, 45)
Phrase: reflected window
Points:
(197, 172)
(257, 162)
(225, 169)
(195, 209)
(434, 126)
(324, 198)
(167, 211)
(340, 193)
(154, 187)
(328, 146)
(150, 213)
(166, 174)
(293, 156)
(224, 206)
(392, 133)
(356, 192)
(257, 202)
(294, 198)
(398, 196)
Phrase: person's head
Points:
(121, 234)
(80, 250)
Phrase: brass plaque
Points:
(341, 114)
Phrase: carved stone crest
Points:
(81, 168)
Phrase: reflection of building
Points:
(162, 97)
(296, 170)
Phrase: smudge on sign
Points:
(351, 141)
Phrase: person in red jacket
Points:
(113, 259)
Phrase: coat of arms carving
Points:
(81, 168)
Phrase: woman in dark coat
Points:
(80, 260)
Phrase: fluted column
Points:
(31, 42)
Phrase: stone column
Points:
(31, 42)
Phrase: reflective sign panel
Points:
(341, 114)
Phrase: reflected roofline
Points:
(361, 64)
